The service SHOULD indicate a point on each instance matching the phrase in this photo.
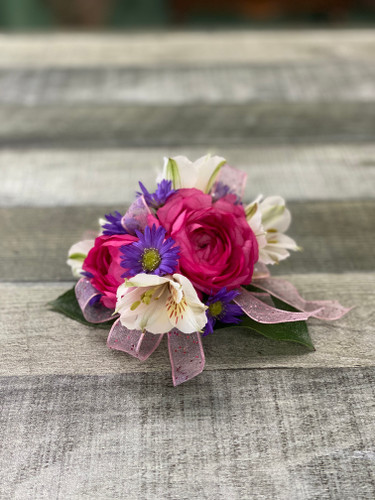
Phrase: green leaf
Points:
(67, 304)
(288, 332)
(296, 331)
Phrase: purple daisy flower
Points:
(162, 193)
(152, 254)
(114, 226)
(221, 309)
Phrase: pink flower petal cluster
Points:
(103, 263)
(217, 246)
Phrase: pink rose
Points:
(103, 262)
(217, 246)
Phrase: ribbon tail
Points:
(261, 312)
(327, 310)
(88, 299)
(186, 355)
(138, 344)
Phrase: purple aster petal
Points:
(95, 299)
(230, 313)
(159, 197)
(221, 190)
(87, 274)
(132, 258)
(209, 327)
(114, 226)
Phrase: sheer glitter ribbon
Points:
(261, 312)
(134, 342)
(136, 217)
(186, 355)
(231, 177)
(93, 312)
(328, 310)
(185, 350)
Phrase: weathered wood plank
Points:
(203, 125)
(335, 236)
(280, 434)
(337, 81)
(35, 340)
(171, 48)
(90, 177)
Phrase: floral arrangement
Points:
(185, 260)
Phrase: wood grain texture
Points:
(175, 48)
(197, 125)
(335, 237)
(93, 177)
(280, 434)
(35, 340)
(333, 81)
(82, 118)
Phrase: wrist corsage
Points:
(187, 259)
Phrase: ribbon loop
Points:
(137, 216)
(186, 355)
(260, 271)
(231, 177)
(93, 311)
(138, 344)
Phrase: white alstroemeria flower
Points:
(199, 174)
(269, 219)
(159, 303)
(77, 254)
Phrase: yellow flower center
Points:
(150, 259)
(215, 308)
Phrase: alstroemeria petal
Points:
(158, 304)
(145, 280)
(275, 215)
(187, 174)
(77, 254)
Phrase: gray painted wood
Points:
(335, 236)
(90, 177)
(81, 421)
(175, 48)
(337, 81)
(280, 434)
(198, 125)
(35, 340)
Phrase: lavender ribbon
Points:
(134, 342)
(328, 310)
(231, 177)
(263, 313)
(185, 350)
(86, 295)
(186, 355)
(137, 216)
